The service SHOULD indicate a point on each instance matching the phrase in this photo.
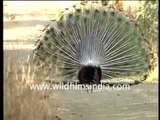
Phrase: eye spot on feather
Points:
(70, 15)
(60, 24)
(66, 8)
(49, 45)
(45, 38)
(96, 11)
(119, 19)
(87, 11)
(52, 29)
(113, 13)
(104, 13)
(127, 23)
(78, 10)
(61, 33)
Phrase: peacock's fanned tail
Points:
(94, 36)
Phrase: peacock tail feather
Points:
(96, 36)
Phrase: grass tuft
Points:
(22, 103)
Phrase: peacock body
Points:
(93, 43)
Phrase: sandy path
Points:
(138, 103)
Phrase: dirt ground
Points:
(20, 33)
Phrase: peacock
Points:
(93, 43)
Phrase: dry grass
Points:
(153, 76)
(22, 103)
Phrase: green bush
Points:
(147, 21)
